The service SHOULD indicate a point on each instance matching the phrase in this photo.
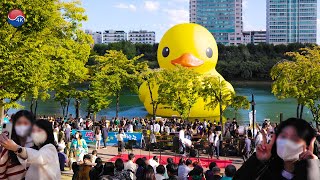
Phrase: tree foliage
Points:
(151, 78)
(299, 79)
(47, 51)
(179, 89)
(239, 102)
(113, 74)
(215, 92)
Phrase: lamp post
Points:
(253, 115)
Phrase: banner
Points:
(89, 137)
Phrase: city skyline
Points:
(159, 15)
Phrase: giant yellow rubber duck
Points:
(191, 46)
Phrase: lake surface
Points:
(267, 105)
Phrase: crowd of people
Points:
(43, 147)
(148, 169)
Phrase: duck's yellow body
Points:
(191, 46)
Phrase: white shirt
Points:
(216, 140)
(183, 172)
(43, 164)
(153, 163)
(211, 138)
(68, 129)
(130, 128)
(181, 135)
(120, 137)
(131, 166)
(157, 128)
(153, 138)
(159, 177)
(167, 129)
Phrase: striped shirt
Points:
(11, 171)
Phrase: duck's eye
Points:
(165, 52)
(209, 52)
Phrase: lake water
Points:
(267, 105)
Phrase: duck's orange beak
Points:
(187, 60)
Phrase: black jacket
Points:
(253, 169)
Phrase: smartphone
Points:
(7, 129)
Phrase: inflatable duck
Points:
(191, 46)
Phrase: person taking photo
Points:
(42, 159)
(289, 155)
(10, 167)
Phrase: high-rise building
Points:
(291, 21)
(96, 36)
(111, 36)
(254, 37)
(143, 36)
(223, 18)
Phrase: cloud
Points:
(126, 6)
(177, 15)
(151, 5)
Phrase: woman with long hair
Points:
(290, 154)
(41, 160)
(98, 137)
(10, 167)
(149, 173)
(79, 146)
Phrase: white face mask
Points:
(39, 138)
(77, 136)
(22, 130)
(288, 150)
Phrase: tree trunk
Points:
(301, 111)
(221, 114)
(94, 117)
(152, 101)
(154, 111)
(89, 111)
(36, 108)
(298, 107)
(1, 110)
(63, 107)
(78, 109)
(31, 105)
(118, 104)
(67, 111)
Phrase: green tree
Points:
(239, 102)
(117, 73)
(299, 79)
(179, 89)
(46, 51)
(150, 78)
(215, 92)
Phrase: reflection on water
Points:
(267, 105)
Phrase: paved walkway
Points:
(110, 152)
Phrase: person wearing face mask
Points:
(289, 155)
(42, 160)
(79, 146)
(10, 167)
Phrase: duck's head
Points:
(189, 45)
